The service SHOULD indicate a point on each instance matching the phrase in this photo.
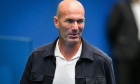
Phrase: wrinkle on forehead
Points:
(69, 5)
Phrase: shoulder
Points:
(43, 51)
(95, 53)
(100, 55)
(121, 4)
(47, 47)
(43, 47)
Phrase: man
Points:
(124, 34)
(69, 59)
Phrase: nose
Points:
(75, 25)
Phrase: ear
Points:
(56, 22)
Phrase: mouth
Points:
(74, 35)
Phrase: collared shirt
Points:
(65, 70)
(136, 11)
(93, 66)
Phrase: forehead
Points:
(73, 12)
(73, 16)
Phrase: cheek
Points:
(65, 26)
(81, 27)
(64, 29)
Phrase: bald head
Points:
(66, 6)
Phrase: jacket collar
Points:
(87, 50)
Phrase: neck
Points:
(68, 49)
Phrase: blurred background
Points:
(28, 24)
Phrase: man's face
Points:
(71, 25)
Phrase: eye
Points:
(69, 21)
(80, 21)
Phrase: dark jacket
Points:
(123, 32)
(93, 66)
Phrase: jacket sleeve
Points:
(110, 77)
(27, 72)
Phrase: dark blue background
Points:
(32, 21)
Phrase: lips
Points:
(74, 35)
